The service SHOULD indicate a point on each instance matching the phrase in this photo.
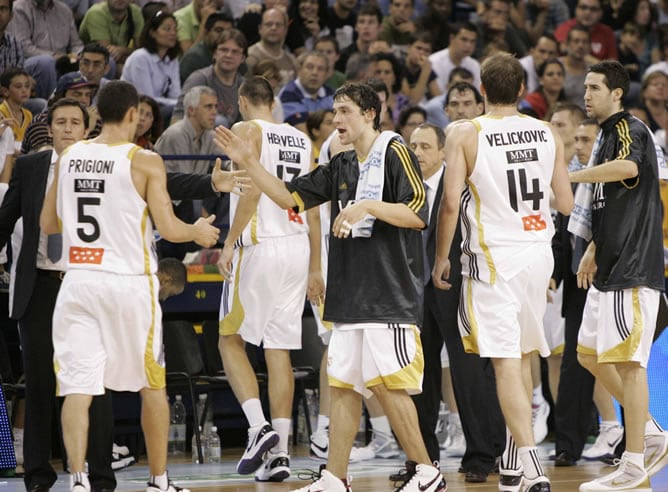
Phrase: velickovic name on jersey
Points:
(90, 166)
(286, 140)
(515, 138)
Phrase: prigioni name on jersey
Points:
(90, 166)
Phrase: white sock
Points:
(454, 419)
(510, 459)
(160, 480)
(253, 411)
(381, 424)
(538, 398)
(323, 423)
(608, 424)
(637, 459)
(282, 427)
(530, 462)
(652, 426)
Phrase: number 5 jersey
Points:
(106, 224)
(505, 212)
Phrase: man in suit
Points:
(472, 377)
(37, 282)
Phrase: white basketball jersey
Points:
(286, 153)
(506, 203)
(106, 224)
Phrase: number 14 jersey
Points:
(106, 224)
(506, 203)
(286, 153)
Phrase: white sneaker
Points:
(539, 415)
(422, 478)
(319, 445)
(326, 482)
(382, 445)
(538, 484)
(151, 487)
(276, 468)
(510, 480)
(260, 440)
(82, 485)
(456, 441)
(656, 452)
(605, 443)
(627, 477)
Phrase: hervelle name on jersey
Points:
(516, 138)
(89, 185)
(522, 155)
(90, 166)
(291, 156)
(286, 140)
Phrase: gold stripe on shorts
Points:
(231, 323)
(155, 373)
(624, 351)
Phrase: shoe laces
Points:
(404, 477)
(311, 475)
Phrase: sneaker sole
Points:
(658, 466)
(279, 476)
(250, 465)
(122, 463)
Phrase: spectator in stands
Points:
(436, 107)
(578, 51)
(495, 24)
(654, 97)
(72, 85)
(116, 25)
(409, 119)
(643, 14)
(149, 128)
(367, 29)
(463, 36)
(93, 64)
(387, 68)
(330, 48)
(305, 28)
(152, 7)
(340, 19)
(192, 18)
(542, 102)
(307, 92)
(628, 47)
(153, 68)
(436, 21)
(11, 53)
(546, 47)
(319, 126)
(46, 31)
(190, 136)
(398, 27)
(419, 81)
(588, 15)
(662, 51)
(201, 54)
(222, 76)
(273, 30)
(543, 17)
(250, 21)
(15, 87)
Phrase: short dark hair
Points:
(96, 48)
(421, 36)
(314, 120)
(440, 134)
(407, 112)
(540, 70)
(378, 86)
(64, 102)
(576, 113)
(257, 90)
(234, 35)
(614, 74)
(456, 27)
(9, 75)
(370, 10)
(502, 76)
(364, 96)
(464, 73)
(148, 42)
(578, 28)
(216, 17)
(590, 122)
(115, 99)
(328, 39)
(175, 269)
(459, 87)
(396, 68)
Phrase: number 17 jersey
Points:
(505, 212)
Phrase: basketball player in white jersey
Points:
(504, 166)
(103, 192)
(267, 252)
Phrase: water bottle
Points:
(213, 446)
(207, 422)
(194, 447)
(177, 428)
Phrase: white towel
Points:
(371, 181)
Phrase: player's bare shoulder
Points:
(461, 130)
(249, 131)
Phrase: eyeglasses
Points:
(590, 8)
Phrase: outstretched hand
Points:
(235, 148)
(206, 235)
(229, 181)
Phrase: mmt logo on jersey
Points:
(291, 156)
(522, 155)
